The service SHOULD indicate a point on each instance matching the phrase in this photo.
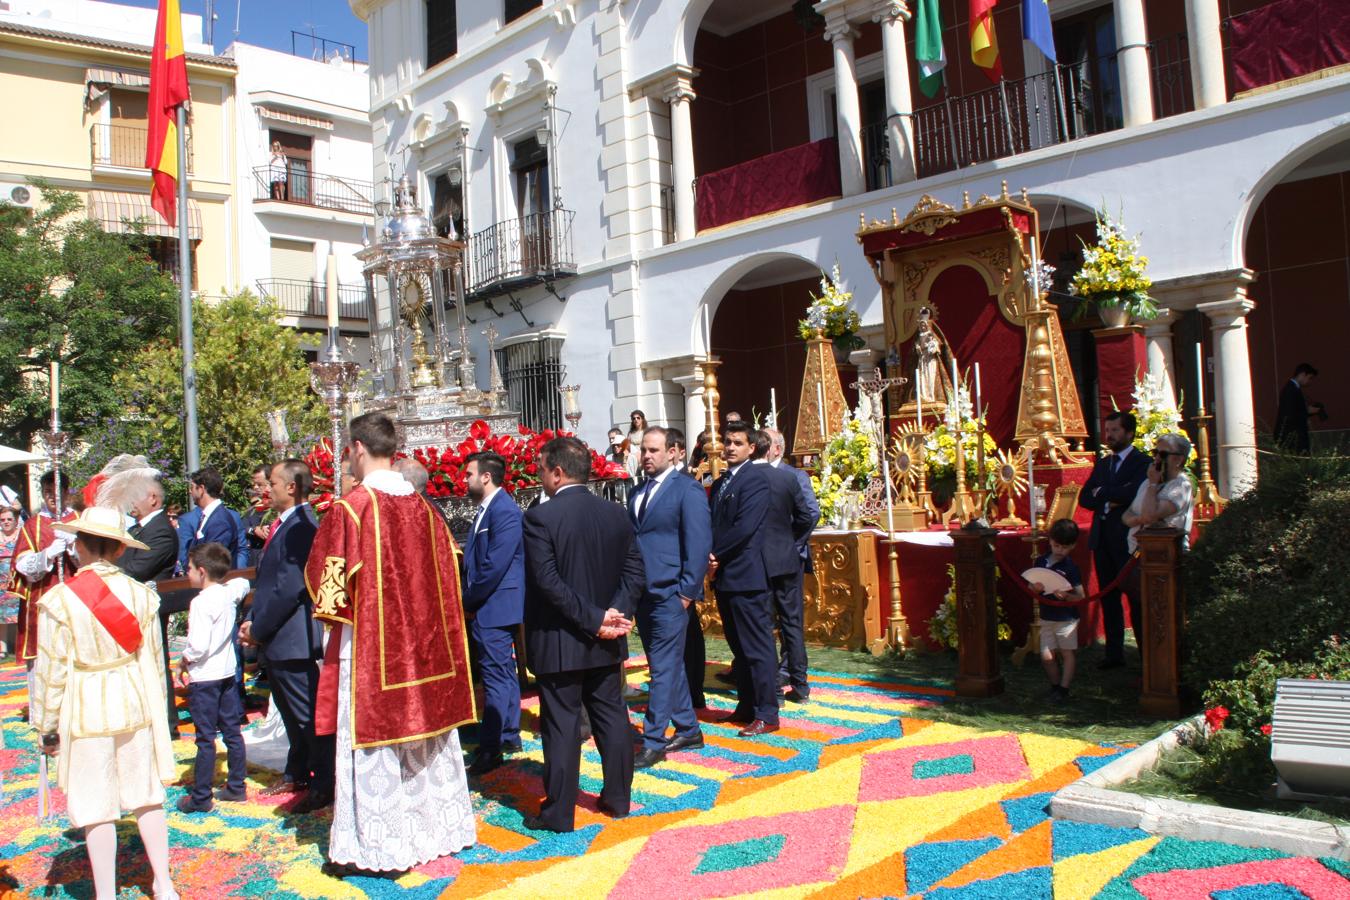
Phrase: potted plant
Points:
(833, 315)
(1113, 276)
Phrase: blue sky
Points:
(269, 23)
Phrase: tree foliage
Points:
(71, 292)
(247, 363)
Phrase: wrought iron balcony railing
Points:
(296, 184)
(534, 249)
(124, 146)
(298, 297)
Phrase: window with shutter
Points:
(442, 38)
(517, 8)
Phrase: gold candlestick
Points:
(712, 448)
(1208, 502)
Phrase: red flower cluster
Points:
(446, 465)
(320, 462)
(1266, 729)
(1215, 718)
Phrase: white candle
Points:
(1199, 376)
(707, 333)
(820, 408)
(978, 407)
(332, 289)
(56, 395)
(1031, 486)
(773, 408)
(1035, 270)
(956, 396)
(918, 399)
(890, 507)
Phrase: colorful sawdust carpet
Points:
(855, 797)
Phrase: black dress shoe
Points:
(648, 758)
(797, 696)
(611, 811)
(758, 727)
(231, 796)
(313, 802)
(512, 747)
(726, 678)
(484, 763)
(188, 805)
(534, 823)
(282, 787)
(738, 717)
(685, 742)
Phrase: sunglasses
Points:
(1165, 453)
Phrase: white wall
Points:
(106, 21)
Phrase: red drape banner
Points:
(1122, 357)
(1287, 39)
(780, 180)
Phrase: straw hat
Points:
(100, 521)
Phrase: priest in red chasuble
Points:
(383, 572)
(40, 556)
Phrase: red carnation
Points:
(1215, 717)
(1265, 729)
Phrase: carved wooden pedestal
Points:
(978, 673)
(1163, 609)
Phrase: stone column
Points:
(679, 95)
(1136, 85)
(848, 121)
(1158, 334)
(695, 410)
(899, 101)
(1206, 50)
(1234, 412)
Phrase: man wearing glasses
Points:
(1165, 496)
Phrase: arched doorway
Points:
(1298, 243)
(754, 333)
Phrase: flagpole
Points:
(193, 457)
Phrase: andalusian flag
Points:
(168, 91)
(983, 40)
(928, 52)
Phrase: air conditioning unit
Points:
(1310, 738)
(18, 194)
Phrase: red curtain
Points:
(787, 178)
(1122, 357)
(1287, 39)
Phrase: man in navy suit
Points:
(741, 500)
(1108, 493)
(585, 578)
(670, 514)
(218, 522)
(789, 602)
(281, 623)
(695, 651)
(494, 592)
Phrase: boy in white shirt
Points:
(207, 668)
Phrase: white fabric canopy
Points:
(9, 456)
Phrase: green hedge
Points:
(1271, 572)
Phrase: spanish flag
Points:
(983, 40)
(168, 91)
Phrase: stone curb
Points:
(1089, 799)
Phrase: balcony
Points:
(298, 297)
(303, 188)
(123, 146)
(1284, 41)
(518, 253)
(792, 177)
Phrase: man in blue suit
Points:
(789, 602)
(741, 501)
(494, 592)
(1108, 493)
(281, 623)
(218, 522)
(670, 515)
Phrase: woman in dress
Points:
(632, 461)
(277, 171)
(9, 601)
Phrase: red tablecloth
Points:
(924, 583)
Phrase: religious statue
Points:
(932, 383)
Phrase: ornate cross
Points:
(870, 389)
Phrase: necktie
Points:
(135, 530)
(477, 521)
(646, 494)
(1115, 464)
(276, 523)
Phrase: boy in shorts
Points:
(1059, 624)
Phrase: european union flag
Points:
(1036, 26)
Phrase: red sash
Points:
(107, 609)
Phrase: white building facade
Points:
(570, 142)
(307, 206)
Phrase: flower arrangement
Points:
(940, 446)
(832, 313)
(1113, 272)
(848, 462)
(445, 465)
(1155, 415)
(942, 627)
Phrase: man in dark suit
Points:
(742, 499)
(152, 528)
(255, 532)
(494, 592)
(670, 513)
(585, 577)
(695, 651)
(281, 623)
(218, 523)
(1291, 419)
(789, 602)
(1108, 493)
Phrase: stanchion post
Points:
(1163, 609)
(978, 673)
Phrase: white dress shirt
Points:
(206, 514)
(209, 653)
(649, 490)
